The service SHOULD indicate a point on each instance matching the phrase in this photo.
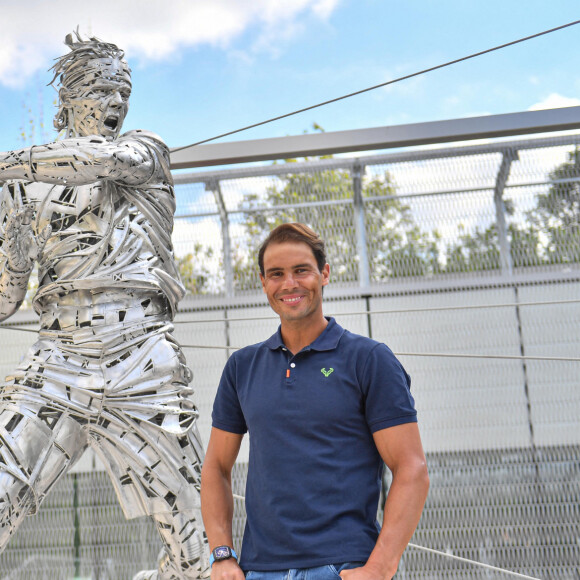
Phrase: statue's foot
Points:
(167, 569)
(146, 575)
(154, 575)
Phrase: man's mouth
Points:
(291, 299)
(111, 123)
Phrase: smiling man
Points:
(95, 212)
(324, 409)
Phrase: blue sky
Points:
(205, 67)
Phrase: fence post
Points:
(214, 187)
(364, 278)
(505, 257)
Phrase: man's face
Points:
(293, 282)
(100, 106)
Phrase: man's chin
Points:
(293, 315)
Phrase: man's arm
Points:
(402, 451)
(80, 160)
(217, 502)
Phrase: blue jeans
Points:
(328, 572)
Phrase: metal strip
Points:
(409, 135)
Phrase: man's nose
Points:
(289, 280)
(116, 99)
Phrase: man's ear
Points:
(325, 274)
(263, 280)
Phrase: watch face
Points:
(222, 552)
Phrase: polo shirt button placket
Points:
(290, 366)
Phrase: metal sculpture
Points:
(95, 212)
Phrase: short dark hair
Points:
(294, 232)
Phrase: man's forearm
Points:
(403, 509)
(217, 507)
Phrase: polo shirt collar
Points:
(328, 340)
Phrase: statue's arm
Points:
(13, 286)
(21, 246)
(80, 160)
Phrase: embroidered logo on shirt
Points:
(328, 372)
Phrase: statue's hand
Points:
(23, 244)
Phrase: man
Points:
(324, 408)
(95, 211)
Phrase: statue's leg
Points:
(37, 446)
(157, 473)
(185, 545)
(146, 434)
(16, 501)
(181, 529)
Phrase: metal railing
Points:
(489, 209)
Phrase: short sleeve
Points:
(387, 390)
(227, 413)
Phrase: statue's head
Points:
(95, 86)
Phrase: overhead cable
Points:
(415, 74)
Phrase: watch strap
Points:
(213, 558)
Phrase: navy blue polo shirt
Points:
(314, 472)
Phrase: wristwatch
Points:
(222, 553)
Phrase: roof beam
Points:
(413, 134)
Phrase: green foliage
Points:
(396, 245)
(474, 252)
(557, 213)
(195, 274)
(33, 130)
(550, 235)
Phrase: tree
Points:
(480, 251)
(396, 246)
(557, 213)
(194, 271)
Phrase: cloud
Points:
(555, 101)
(33, 31)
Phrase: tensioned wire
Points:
(431, 354)
(402, 311)
(446, 555)
(376, 312)
(395, 311)
(415, 74)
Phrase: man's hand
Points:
(227, 570)
(23, 244)
(366, 572)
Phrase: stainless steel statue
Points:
(95, 211)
